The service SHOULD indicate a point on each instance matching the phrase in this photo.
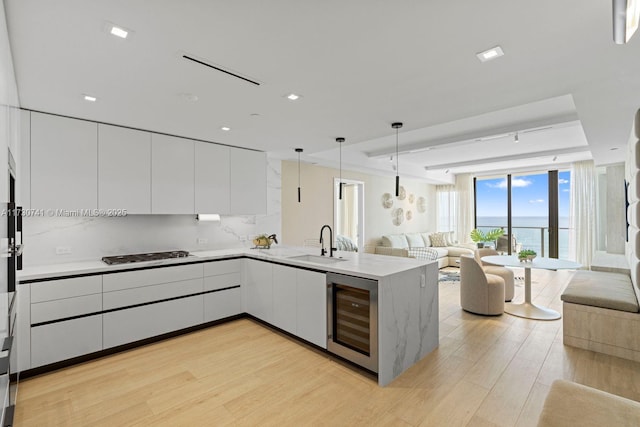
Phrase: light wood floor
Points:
(487, 371)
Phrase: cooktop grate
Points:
(151, 256)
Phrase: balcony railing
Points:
(536, 238)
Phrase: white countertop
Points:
(356, 264)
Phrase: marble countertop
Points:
(365, 265)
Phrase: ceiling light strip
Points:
(626, 14)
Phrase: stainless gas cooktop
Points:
(151, 256)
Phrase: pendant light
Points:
(396, 126)
(340, 141)
(298, 150)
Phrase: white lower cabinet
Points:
(311, 307)
(299, 301)
(258, 292)
(221, 304)
(133, 324)
(284, 297)
(64, 340)
(289, 298)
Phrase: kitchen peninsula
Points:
(283, 287)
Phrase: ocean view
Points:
(531, 231)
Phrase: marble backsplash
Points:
(92, 238)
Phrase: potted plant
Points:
(480, 237)
(526, 255)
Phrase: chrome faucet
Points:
(323, 251)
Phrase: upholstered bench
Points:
(571, 404)
(601, 313)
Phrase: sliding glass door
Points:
(533, 208)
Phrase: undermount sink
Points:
(317, 258)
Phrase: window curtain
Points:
(582, 222)
(455, 207)
(465, 214)
(446, 207)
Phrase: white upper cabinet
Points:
(211, 178)
(172, 175)
(78, 164)
(64, 162)
(124, 169)
(248, 182)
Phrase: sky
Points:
(529, 195)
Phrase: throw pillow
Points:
(437, 240)
(415, 240)
(425, 237)
(395, 241)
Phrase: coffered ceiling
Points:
(563, 85)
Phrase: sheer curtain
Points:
(455, 207)
(582, 222)
(465, 214)
(446, 206)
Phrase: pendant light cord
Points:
(396, 126)
(298, 169)
(340, 141)
(397, 163)
(299, 150)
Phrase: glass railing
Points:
(536, 238)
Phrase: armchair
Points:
(506, 273)
(480, 293)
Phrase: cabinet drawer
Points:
(69, 307)
(222, 267)
(64, 340)
(135, 296)
(155, 276)
(219, 305)
(125, 326)
(65, 288)
(222, 281)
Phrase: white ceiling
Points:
(359, 64)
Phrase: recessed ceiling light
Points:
(489, 54)
(293, 96)
(225, 128)
(89, 98)
(119, 32)
(190, 97)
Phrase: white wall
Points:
(301, 221)
(93, 238)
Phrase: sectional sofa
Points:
(442, 245)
